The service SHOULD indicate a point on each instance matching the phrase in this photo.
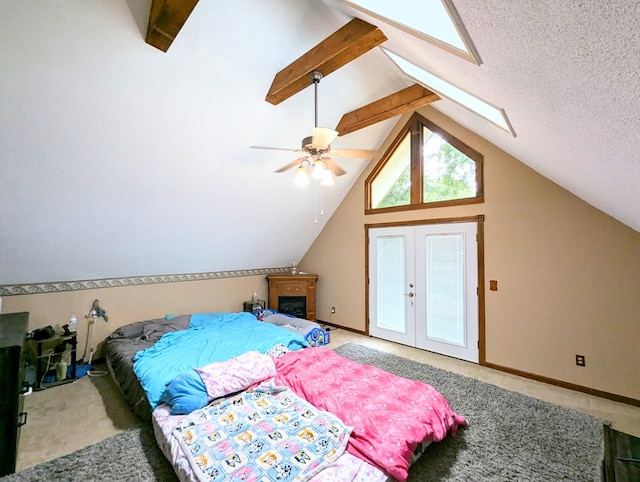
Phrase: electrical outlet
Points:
(333, 309)
(580, 361)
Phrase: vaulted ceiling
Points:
(120, 159)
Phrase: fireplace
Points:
(293, 305)
(294, 294)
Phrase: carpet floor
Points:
(510, 437)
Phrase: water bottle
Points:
(255, 305)
(61, 370)
(73, 324)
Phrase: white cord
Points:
(315, 203)
(44, 374)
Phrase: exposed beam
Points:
(392, 105)
(338, 49)
(165, 21)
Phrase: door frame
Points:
(479, 219)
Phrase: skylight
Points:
(435, 21)
(445, 89)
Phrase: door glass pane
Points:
(445, 288)
(390, 284)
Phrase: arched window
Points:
(424, 167)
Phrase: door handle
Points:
(410, 295)
(22, 419)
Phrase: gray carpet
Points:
(131, 456)
(510, 437)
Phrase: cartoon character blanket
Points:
(264, 434)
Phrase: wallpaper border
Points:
(60, 286)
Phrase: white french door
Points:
(423, 287)
(392, 285)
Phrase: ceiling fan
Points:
(317, 149)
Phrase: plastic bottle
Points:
(61, 370)
(73, 324)
(256, 305)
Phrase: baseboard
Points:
(333, 325)
(560, 383)
(531, 376)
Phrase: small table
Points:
(252, 306)
(47, 357)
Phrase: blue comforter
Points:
(210, 338)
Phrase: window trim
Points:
(491, 113)
(414, 127)
(469, 53)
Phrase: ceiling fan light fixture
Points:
(327, 178)
(323, 136)
(319, 167)
(301, 178)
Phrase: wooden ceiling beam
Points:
(392, 105)
(344, 45)
(165, 21)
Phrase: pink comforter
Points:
(389, 414)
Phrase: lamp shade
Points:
(301, 178)
(327, 178)
(319, 166)
(322, 136)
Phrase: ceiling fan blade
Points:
(323, 136)
(359, 153)
(333, 167)
(276, 148)
(291, 164)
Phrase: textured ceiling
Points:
(117, 159)
(566, 74)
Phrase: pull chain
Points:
(315, 203)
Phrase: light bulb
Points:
(327, 178)
(318, 169)
(301, 178)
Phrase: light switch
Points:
(493, 285)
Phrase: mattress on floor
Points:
(121, 347)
